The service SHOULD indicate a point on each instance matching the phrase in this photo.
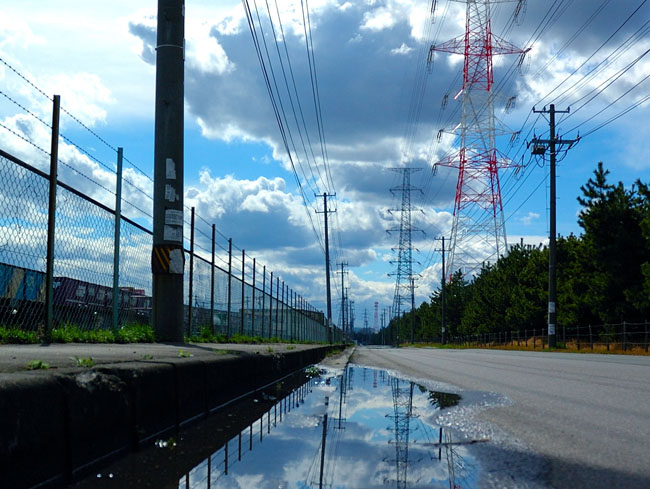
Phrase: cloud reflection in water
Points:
(377, 435)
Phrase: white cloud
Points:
(403, 49)
(378, 20)
(528, 219)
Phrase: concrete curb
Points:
(57, 426)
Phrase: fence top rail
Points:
(73, 190)
(90, 200)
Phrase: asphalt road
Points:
(584, 417)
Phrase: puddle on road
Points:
(352, 428)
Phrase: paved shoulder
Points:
(588, 415)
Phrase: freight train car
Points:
(85, 304)
(22, 294)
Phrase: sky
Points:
(381, 107)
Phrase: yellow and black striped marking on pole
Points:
(160, 258)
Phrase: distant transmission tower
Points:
(375, 325)
(402, 414)
(404, 282)
(478, 231)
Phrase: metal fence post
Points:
(271, 307)
(229, 287)
(624, 337)
(645, 339)
(243, 291)
(283, 332)
(116, 242)
(212, 270)
(289, 320)
(191, 284)
(591, 338)
(263, 300)
(49, 274)
(253, 302)
(294, 314)
(277, 304)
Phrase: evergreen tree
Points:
(611, 218)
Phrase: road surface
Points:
(584, 418)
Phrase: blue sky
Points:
(98, 57)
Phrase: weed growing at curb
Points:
(87, 362)
(37, 365)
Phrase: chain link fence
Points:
(84, 272)
(610, 337)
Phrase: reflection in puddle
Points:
(360, 428)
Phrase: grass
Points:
(129, 333)
(17, 336)
(540, 345)
(207, 336)
(70, 333)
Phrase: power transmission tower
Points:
(325, 212)
(351, 316)
(383, 326)
(478, 231)
(402, 414)
(405, 279)
(365, 323)
(539, 148)
(375, 326)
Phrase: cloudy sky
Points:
(381, 105)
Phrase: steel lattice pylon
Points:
(402, 414)
(404, 272)
(478, 230)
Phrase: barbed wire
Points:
(24, 139)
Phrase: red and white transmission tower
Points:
(478, 231)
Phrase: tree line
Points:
(603, 276)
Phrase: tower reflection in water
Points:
(343, 430)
